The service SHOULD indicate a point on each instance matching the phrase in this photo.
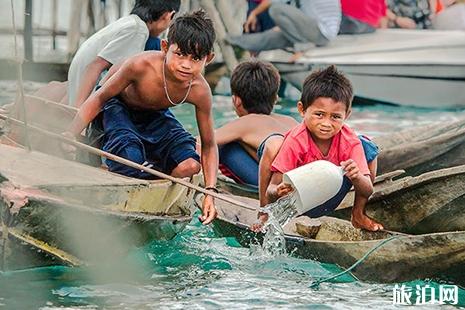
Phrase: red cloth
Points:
(367, 11)
(299, 149)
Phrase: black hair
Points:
(152, 10)
(193, 33)
(257, 84)
(328, 83)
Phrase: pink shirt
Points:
(367, 11)
(299, 149)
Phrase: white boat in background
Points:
(420, 68)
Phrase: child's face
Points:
(184, 67)
(324, 117)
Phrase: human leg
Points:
(169, 145)
(262, 41)
(237, 164)
(296, 26)
(120, 138)
(359, 218)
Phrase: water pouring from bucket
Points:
(314, 184)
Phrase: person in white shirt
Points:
(119, 40)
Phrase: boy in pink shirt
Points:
(324, 106)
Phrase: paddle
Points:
(129, 163)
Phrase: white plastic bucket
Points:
(314, 183)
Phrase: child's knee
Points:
(188, 168)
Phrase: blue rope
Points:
(358, 262)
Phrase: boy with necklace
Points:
(134, 104)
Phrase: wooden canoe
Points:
(404, 258)
(431, 202)
(422, 149)
(86, 212)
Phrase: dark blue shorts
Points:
(371, 152)
(146, 137)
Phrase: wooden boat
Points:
(335, 241)
(85, 212)
(405, 67)
(431, 202)
(421, 149)
(73, 213)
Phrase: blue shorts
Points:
(147, 137)
(371, 152)
(237, 164)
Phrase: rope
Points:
(358, 262)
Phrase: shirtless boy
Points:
(135, 102)
(254, 87)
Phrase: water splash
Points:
(279, 214)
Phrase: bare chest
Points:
(152, 95)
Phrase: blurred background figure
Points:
(411, 14)
(300, 25)
(450, 16)
(257, 22)
(361, 16)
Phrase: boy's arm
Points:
(209, 152)
(92, 106)
(89, 79)
(230, 132)
(272, 190)
(362, 183)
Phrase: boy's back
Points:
(117, 41)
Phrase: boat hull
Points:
(398, 260)
(87, 213)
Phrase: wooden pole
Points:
(54, 23)
(28, 52)
(74, 32)
(225, 9)
(226, 49)
(20, 86)
(131, 164)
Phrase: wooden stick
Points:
(20, 91)
(131, 164)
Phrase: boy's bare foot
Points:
(364, 222)
(296, 56)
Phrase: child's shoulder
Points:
(348, 136)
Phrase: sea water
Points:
(200, 270)
(279, 214)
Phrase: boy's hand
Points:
(351, 169)
(283, 189)
(208, 210)
(258, 225)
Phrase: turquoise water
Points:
(195, 270)
(199, 270)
